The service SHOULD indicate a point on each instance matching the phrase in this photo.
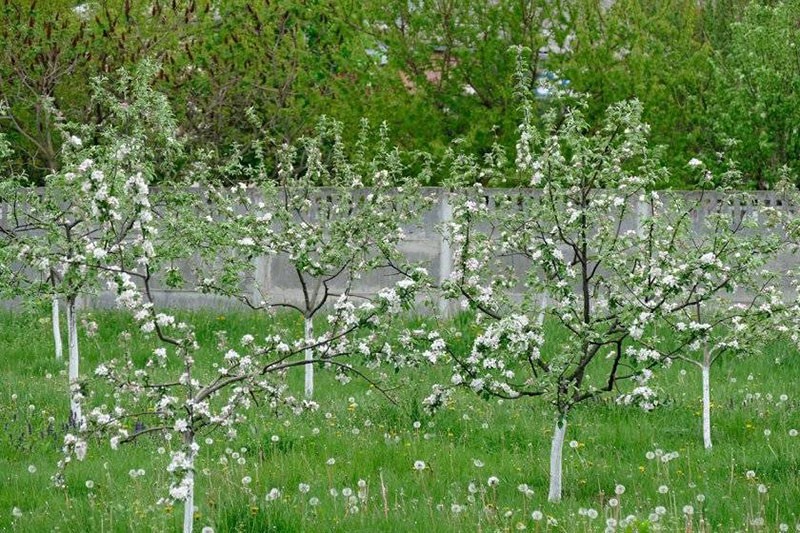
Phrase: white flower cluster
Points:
(495, 354)
(642, 396)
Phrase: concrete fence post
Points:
(643, 211)
(445, 251)
(262, 278)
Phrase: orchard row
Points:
(630, 299)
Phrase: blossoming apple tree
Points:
(315, 220)
(13, 280)
(17, 278)
(168, 395)
(734, 242)
(64, 231)
(180, 404)
(594, 243)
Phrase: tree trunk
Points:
(556, 450)
(72, 342)
(309, 335)
(57, 330)
(188, 504)
(706, 370)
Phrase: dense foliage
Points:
(713, 77)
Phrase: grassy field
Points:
(351, 465)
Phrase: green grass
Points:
(373, 440)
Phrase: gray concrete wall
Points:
(425, 245)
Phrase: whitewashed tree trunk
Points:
(57, 330)
(308, 336)
(556, 454)
(73, 373)
(188, 505)
(706, 370)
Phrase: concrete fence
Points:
(276, 281)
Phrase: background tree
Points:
(657, 52)
(51, 53)
(754, 109)
(443, 64)
(290, 61)
(453, 61)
